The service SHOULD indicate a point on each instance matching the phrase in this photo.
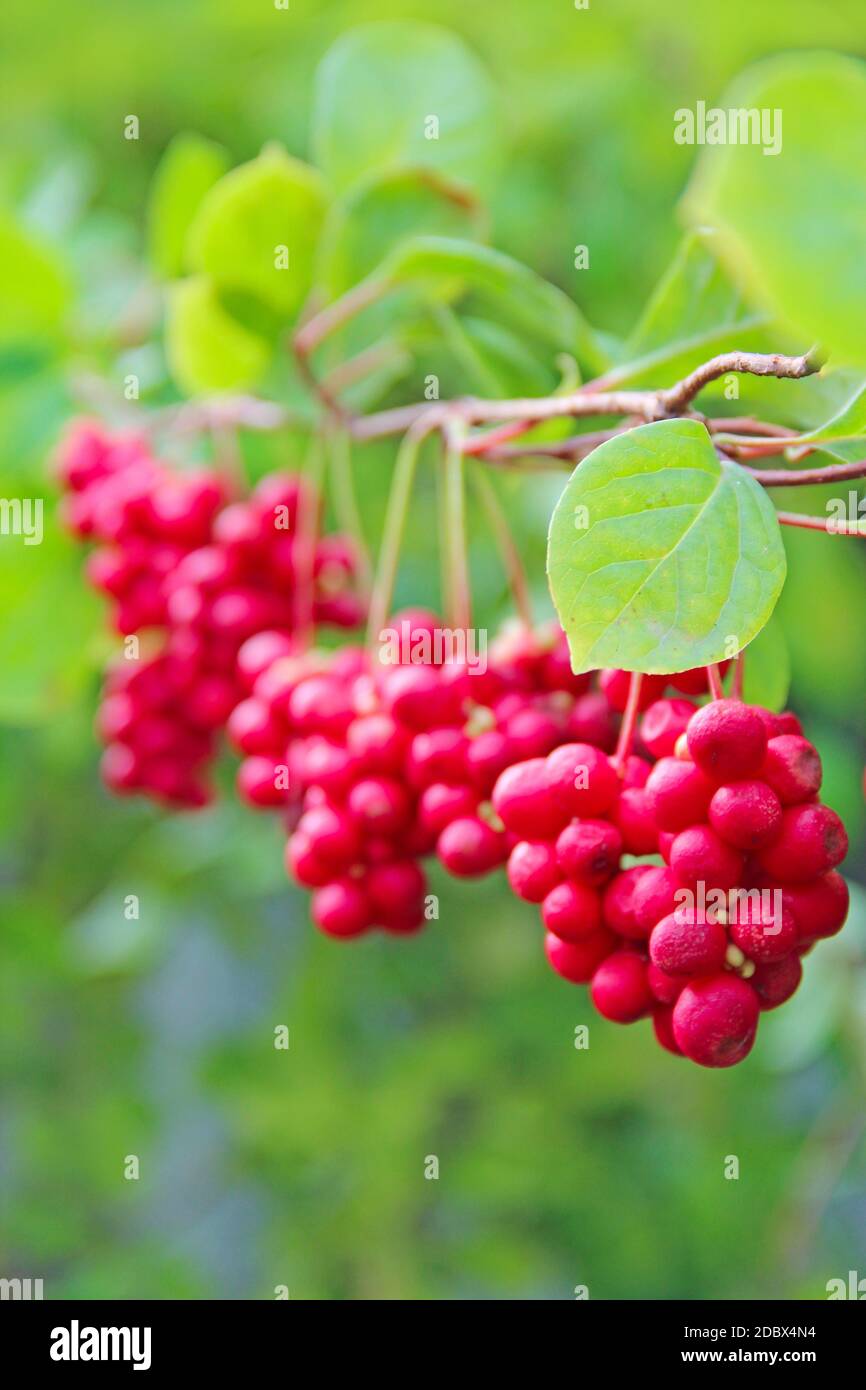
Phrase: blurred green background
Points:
(305, 1167)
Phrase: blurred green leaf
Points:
(189, 167)
(768, 668)
(849, 423)
(256, 230)
(399, 94)
(208, 348)
(660, 553)
(35, 288)
(793, 224)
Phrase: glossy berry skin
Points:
(678, 793)
(571, 911)
(810, 841)
(592, 720)
(577, 961)
(332, 835)
(533, 870)
(615, 686)
(699, 856)
(663, 1027)
(662, 725)
(792, 768)
(664, 987)
(618, 904)
(379, 805)
(589, 851)
(688, 943)
(522, 799)
(657, 892)
(395, 890)
(440, 804)
(620, 990)
(819, 908)
(470, 847)
(304, 865)
(764, 932)
(581, 780)
(745, 814)
(636, 823)
(727, 740)
(341, 908)
(715, 1020)
(775, 982)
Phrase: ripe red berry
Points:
(764, 931)
(663, 1027)
(577, 961)
(715, 1020)
(377, 743)
(727, 740)
(341, 908)
(259, 781)
(533, 869)
(657, 892)
(819, 907)
(303, 864)
(572, 911)
(440, 804)
(470, 847)
(379, 805)
(618, 904)
(589, 851)
(678, 793)
(522, 799)
(792, 768)
(332, 835)
(395, 890)
(636, 823)
(592, 720)
(745, 814)
(665, 988)
(615, 686)
(811, 840)
(620, 990)
(699, 856)
(775, 981)
(581, 780)
(662, 725)
(688, 943)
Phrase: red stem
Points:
(714, 677)
(629, 721)
(823, 523)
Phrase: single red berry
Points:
(663, 1027)
(380, 805)
(395, 889)
(440, 804)
(522, 799)
(259, 781)
(745, 814)
(303, 864)
(819, 907)
(727, 740)
(634, 818)
(618, 904)
(533, 870)
(253, 728)
(572, 911)
(487, 755)
(532, 733)
(763, 930)
(687, 942)
(620, 990)
(436, 756)
(775, 981)
(665, 988)
(581, 780)
(811, 840)
(332, 834)
(662, 725)
(377, 742)
(715, 1020)
(679, 794)
(657, 892)
(615, 686)
(592, 720)
(635, 772)
(470, 847)
(589, 851)
(577, 961)
(341, 908)
(699, 856)
(792, 767)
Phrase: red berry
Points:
(699, 856)
(380, 805)
(377, 742)
(811, 840)
(775, 981)
(688, 943)
(303, 864)
(581, 780)
(727, 740)
(572, 911)
(619, 903)
(487, 755)
(662, 725)
(715, 1020)
(615, 686)
(764, 931)
(679, 794)
(523, 801)
(819, 908)
(792, 767)
(396, 889)
(441, 804)
(665, 988)
(657, 892)
(592, 720)
(259, 781)
(745, 814)
(577, 961)
(470, 847)
(436, 756)
(332, 835)
(634, 818)
(533, 869)
(620, 990)
(589, 851)
(663, 1027)
(341, 908)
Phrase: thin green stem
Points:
(459, 611)
(506, 545)
(396, 512)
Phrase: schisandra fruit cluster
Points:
(181, 560)
(715, 935)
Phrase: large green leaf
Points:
(248, 221)
(35, 288)
(661, 556)
(793, 224)
(189, 167)
(403, 93)
(768, 668)
(518, 295)
(208, 348)
(848, 423)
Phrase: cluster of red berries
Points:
(177, 556)
(713, 936)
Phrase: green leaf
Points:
(372, 220)
(660, 554)
(847, 423)
(404, 93)
(208, 348)
(256, 230)
(531, 303)
(189, 167)
(792, 225)
(35, 288)
(768, 668)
